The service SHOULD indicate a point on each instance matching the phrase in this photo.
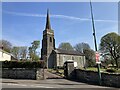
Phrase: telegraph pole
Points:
(95, 42)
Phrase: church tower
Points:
(48, 42)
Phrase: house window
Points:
(50, 39)
(2, 54)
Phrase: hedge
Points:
(110, 70)
(22, 64)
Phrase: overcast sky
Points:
(23, 22)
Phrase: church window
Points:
(50, 39)
(79, 58)
(63, 59)
(72, 58)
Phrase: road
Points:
(50, 83)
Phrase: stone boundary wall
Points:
(112, 80)
(22, 73)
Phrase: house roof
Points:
(6, 53)
(68, 52)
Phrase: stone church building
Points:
(56, 57)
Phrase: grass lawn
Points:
(60, 72)
(118, 71)
(101, 69)
(95, 69)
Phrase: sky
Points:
(24, 22)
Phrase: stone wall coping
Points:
(21, 68)
(101, 72)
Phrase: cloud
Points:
(57, 16)
(100, 33)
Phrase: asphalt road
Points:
(56, 84)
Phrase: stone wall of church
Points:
(61, 58)
(51, 61)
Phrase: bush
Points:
(60, 67)
(110, 70)
(22, 64)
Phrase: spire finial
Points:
(48, 26)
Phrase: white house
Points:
(5, 55)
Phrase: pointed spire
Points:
(48, 26)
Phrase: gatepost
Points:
(69, 69)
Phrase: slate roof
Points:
(61, 51)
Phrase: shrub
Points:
(110, 70)
(60, 67)
(22, 64)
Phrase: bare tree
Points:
(66, 46)
(80, 47)
(6, 45)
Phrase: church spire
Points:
(48, 26)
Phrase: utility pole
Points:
(2, 50)
(94, 35)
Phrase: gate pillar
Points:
(69, 69)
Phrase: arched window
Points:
(80, 58)
(64, 59)
(50, 39)
(72, 58)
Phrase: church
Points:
(53, 56)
